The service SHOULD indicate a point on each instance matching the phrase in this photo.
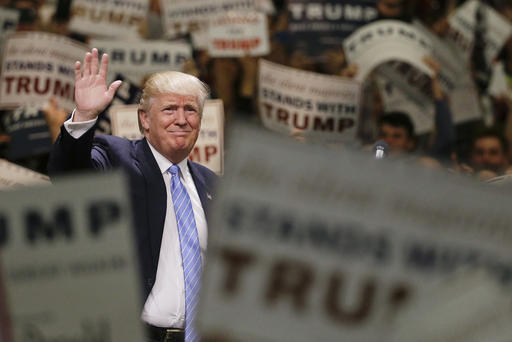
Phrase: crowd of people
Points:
(479, 147)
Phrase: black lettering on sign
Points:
(4, 230)
(101, 215)
(37, 228)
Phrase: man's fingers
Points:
(104, 66)
(94, 62)
(78, 74)
(113, 88)
(87, 64)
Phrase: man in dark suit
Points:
(169, 193)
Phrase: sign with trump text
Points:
(314, 244)
(109, 18)
(37, 66)
(317, 106)
(68, 261)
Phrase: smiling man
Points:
(169, 193)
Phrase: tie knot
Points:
(174, 169)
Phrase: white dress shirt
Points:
(165, 305)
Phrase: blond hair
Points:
(172, 82)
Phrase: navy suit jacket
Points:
(147, 188)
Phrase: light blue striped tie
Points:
(190, 250)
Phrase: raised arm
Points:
(91, 93)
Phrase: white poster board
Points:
(178, 14)
(386, 40)
(319, 106)
(37, 66)
(13, 176)
(138, 58)
(209, 147)
(109, 18)
(463, 23)
(238, 34)
(312, 245)
(68, 261)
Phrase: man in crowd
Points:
(169, 193)
(397, 130)
(489, 154)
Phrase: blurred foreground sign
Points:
(68, 261)
(317, 245)
(13, 176)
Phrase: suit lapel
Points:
(203, 190)
(156, 198)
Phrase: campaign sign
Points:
(209, 147)
(318, 106)
(312, 244)
(13, 176)
(68, 261)
(387, 40)
(109, 18)
(178, 14)
(29, 133)
(462, 29)
(320, 25)
(238, 34)
(143, 57)
(37, 66)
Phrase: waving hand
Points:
(91, 93)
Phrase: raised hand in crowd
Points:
(435, 84)
(91, 93)
(55, 117)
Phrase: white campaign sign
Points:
(143, 57)
(109, 18)
(463, 23)
(319, 106)
(209, 147)
(14, 176)
(68, 261)
(37, 66)
(312, 245)
(387, 40)
(178, 13)
(238, 34)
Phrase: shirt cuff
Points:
(77, 129)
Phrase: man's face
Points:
(172, 125)
(488, 154)
(396, 137)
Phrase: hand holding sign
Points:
(91, 93)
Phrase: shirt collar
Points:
(164, 164)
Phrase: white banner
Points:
(14, 176)
(209, 147)
(312, 245)
(178, 14)
(37, 66)
(143, 57)
(319, 106)
(238, 34)
(68, 261)
(387, 40)
(109, 18)
(463, 23)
